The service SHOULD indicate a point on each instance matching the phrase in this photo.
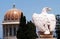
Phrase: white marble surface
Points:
(44, 19)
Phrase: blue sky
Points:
(28, 7)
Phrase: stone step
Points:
(46, 38)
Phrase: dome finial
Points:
(14, 5)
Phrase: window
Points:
(3, 30)
(6, 30)
(14, 30)
(10, 31)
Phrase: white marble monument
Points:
(45, 23)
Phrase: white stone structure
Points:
(11, 23)
(44, 22)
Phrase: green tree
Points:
(21, 30)
(26, 31)
(58, 26)
(31, 30)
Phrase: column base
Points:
(46, 38)
(42, 35)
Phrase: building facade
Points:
(11, 23)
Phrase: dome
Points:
(13, 14)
